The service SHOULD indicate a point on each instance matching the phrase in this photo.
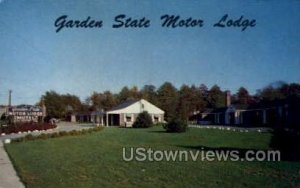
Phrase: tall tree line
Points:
(176, 102)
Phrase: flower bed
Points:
(44, 136)
(24, 127)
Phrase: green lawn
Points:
(95, 160)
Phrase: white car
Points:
(54, 120)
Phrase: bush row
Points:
(44, 136)
(24, 127)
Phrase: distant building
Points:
(26, 113)
(243, 114)
(235, 115)
(98, 117)
(79, 117)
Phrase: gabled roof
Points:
(81, 113)
(233, 107)
(214, 111)
(123, 105)
(135, 106)
(95, 113)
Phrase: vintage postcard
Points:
(170, 93)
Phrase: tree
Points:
(293, 90)
(95, 101)
(124, 94)
(129, 94)
(203, 91)
(202, 97)
(243, 96)
(108, 101)
(149, 93)
(134, 93)
(143, 120)
(176, 125)
(167, 99)
(103, 101)
(2, 116)
(216, 98)
(279, 93)
(54, 103)
(59, 105)
(270, 93)
(71, 102)
(186, 104)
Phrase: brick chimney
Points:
(227, 98)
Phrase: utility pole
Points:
(9, 98)
(9, 102)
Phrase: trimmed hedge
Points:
(44, 136)
(143, 120)
(176, 126)
(24, 127)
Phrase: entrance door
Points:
(231, 118)
(114, 119)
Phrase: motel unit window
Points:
(128, 118)
(155, 119)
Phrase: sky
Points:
(34, 58)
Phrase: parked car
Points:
(54, 121)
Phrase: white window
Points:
(128, 118)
